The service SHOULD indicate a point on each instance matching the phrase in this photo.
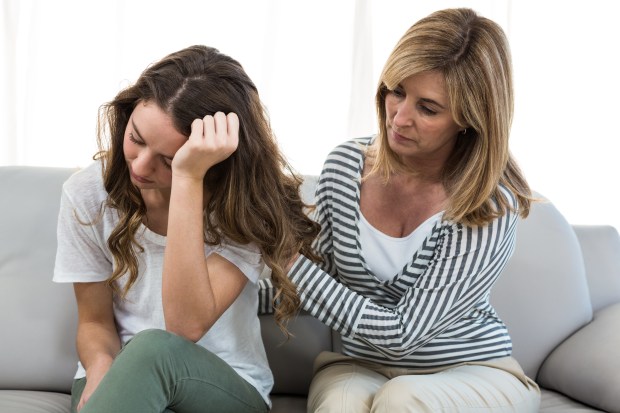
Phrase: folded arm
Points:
(196, 290)
(464, 265)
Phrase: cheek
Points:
(164, 177)
(390, 107)
(129, 149)
(451, 129)
(438, 128)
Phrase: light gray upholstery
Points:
(600, 246)
(291, 360)
(579, 367)
(25, 401)
(552, 402)
(38, 317)
(544, 284)
(543, 296)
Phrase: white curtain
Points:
(316, 65)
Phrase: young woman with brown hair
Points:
(165, 236)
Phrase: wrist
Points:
(187, 178)
(100, 364)
(291, 263)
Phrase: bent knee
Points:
(401, 395)
(153, 343)
(451, 391)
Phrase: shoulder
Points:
(84, 189)
(502, 225)
(350, 152)
(246, 257)
(346, 159)
(86, 178)
(510, 203)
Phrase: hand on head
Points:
(212, 140)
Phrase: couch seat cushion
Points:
(581, 368)
(23, 401)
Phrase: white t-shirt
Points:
(83, 256)
(385, 255)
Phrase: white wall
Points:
(63, 59)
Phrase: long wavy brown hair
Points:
(473, 55)
(255, 193)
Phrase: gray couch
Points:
(560, 297)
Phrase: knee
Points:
(150, 337)
(401, 395)
(154, 343)
(343, 388)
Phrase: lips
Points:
(398, 137)
(140, 179)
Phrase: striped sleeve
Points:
(465, 263)
(266, 294)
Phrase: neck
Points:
(155, 199)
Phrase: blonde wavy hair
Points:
(255, 194)
(473, 54)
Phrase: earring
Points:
(464, 131)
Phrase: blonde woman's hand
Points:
(212, 140)
(288, 267)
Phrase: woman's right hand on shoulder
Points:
(291, 262)
(212, 140)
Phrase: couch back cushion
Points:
(542, 296)
(38, 317)
(292, 360)
(600, 245)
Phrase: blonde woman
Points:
(165, 236)
(417, 224)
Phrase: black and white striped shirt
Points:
(435, 312)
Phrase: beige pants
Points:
(343, 384)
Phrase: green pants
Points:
(161, 372)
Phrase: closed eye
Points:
(430, 106)
(426, 110)
(134, 140)
(398, 92)
(167, 162)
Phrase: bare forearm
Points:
(97, 345)
(186, 291)
(190, 306)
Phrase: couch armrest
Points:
(586, 366)
(600, 246)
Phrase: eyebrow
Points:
(135, 128)
(426, 100)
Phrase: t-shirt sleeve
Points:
(245, 257)
(266, 294)
(82, 254)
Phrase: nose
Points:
(404, 113)
(142, 164)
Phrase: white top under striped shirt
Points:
(435, 312)
(386, 256)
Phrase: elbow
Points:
(192, 331)
(186, 323)
(397, 355)
(395, 351)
